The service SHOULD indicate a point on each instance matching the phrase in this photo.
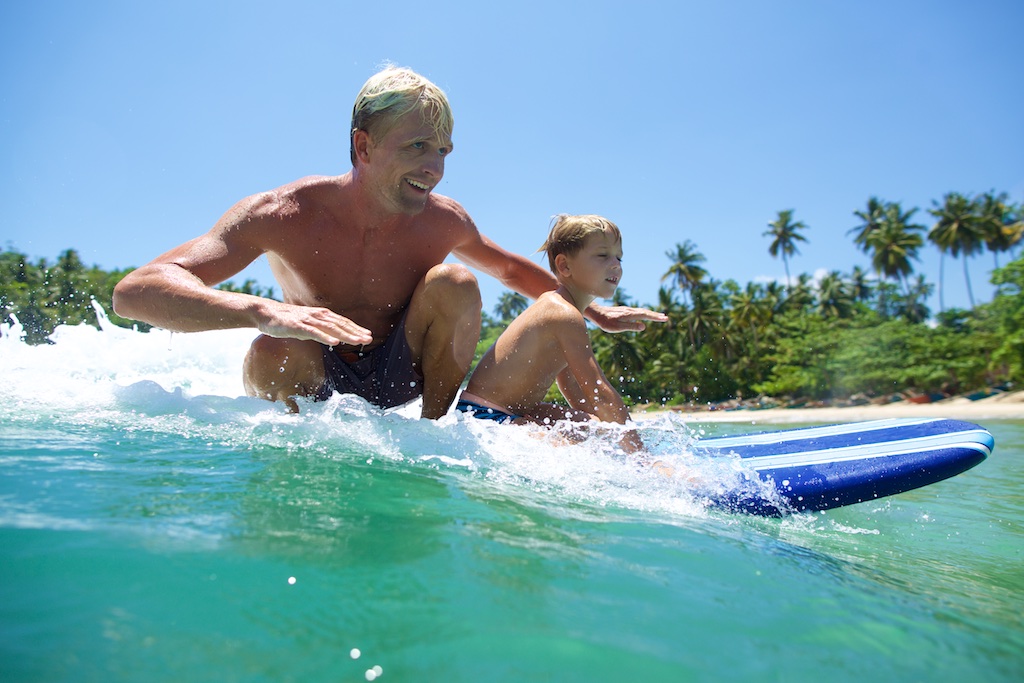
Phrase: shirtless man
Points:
(369, 305)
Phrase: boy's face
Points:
(597, 267)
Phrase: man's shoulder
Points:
(447, 207)
(300, 195)
(314, 189)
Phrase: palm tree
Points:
(785, 234)
(872, 220)
(895, 243)
(860, 287)
(801, 295)
(618, 355)
(912, 306)
(1001, 230)
(67, 282)
(706, 314)
(835, 296)
(957, 230)
(509, 306)
(775, 294)
(750, 309)
(657, 336)
(1016, 219)
(684, 271)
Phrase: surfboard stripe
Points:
(882, 433)
(886, 450)
(820, 432)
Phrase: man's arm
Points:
(522, 275)
(175, 291)
(516, 272)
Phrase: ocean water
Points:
(156, 525)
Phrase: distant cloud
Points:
(816, 278)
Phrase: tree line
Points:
(844, 335)
(43, 295)
(848, 335)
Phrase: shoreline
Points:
(1003, 406)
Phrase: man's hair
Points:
(392, 92)
(570, 232)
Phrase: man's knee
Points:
(453, 283)
(277, 369)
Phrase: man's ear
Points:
(362, 144)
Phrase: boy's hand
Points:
(623, 318)
(662, 469)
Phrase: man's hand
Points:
(623, 318)
(305, 322)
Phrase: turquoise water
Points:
(156, 527)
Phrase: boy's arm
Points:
(586, 387)
(531, 280)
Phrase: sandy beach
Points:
(1003, 406)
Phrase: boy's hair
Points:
(392, 92)
(569, 232)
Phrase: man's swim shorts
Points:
(384, 376)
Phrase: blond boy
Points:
(549, 341)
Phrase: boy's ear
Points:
(562, 265)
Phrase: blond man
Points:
(369, 306)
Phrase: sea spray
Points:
(148, 384)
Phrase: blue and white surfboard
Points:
(819, 468)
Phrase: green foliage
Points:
(831, 340)
(842, 336)
(247, 287)
(815, 360)
(1007, 319)
(43, 295)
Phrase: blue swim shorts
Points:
(483, 412)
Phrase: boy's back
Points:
(516, 372)
(549, 341)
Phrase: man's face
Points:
(407, 163)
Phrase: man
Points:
(369, 305)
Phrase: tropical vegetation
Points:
(43, 295)
(842, 336)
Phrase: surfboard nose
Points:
(820, 468)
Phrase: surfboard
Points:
(819, 468)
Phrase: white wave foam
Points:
(190, 385)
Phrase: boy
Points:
(549, 341)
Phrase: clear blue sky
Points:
(129, 127)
